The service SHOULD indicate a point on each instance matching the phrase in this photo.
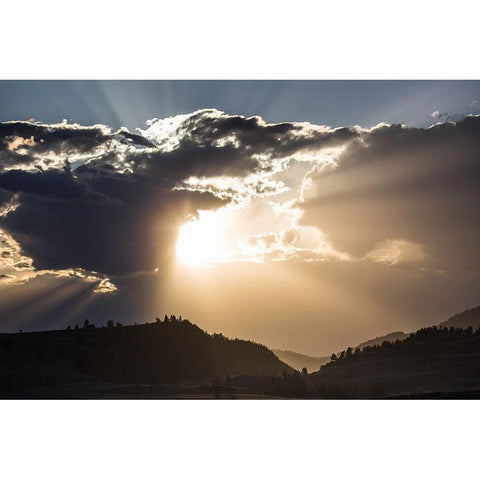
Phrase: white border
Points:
(238, 439)
(253, 39)
(244, 40)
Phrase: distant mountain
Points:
(66, 362)
(299, 360)
(313, 364)
(390, 337)
(468, 318)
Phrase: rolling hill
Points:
(431, 360)
(389, 337)
(177, 359)
(468, 318)
(312, 364)
(66, 363)
(299, 360)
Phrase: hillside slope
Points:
(468, 318)
(389, 337)
(299, 360)
(429, 360)
(155, 353)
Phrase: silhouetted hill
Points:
(176, 359)
(468, 318)
(430, 360)
(173, 351)
(299, 360)
(390, 337)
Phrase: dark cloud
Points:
(136, 232)
(56, 137)
(211, 143)
(93, 216)
(5, 197)
(51, 183)
(132, 138)
(253, 136)
(93, 200)
(393, 182)
(191, 160)
(109, 202)
(89, 198)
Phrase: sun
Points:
(198, 240)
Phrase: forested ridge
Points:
(428, 360)
(161, 352)
(174, 358)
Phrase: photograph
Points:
(239, 239)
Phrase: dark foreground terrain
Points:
(155, 360)
(176, 359)
(430, 363)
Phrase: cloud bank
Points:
(98, 204)
(410, 185)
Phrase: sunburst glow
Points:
(198, 241)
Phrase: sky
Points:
(118, 103)
(304, 215)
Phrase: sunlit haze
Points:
(305, 216)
